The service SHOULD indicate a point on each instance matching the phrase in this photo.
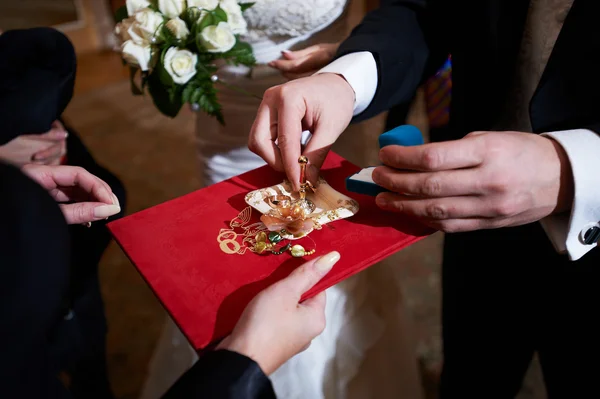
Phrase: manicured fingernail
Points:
(115, 200)
(326, 262)
(286, 51)
(104, 211)
(381, 201)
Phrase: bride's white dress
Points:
(365, 350)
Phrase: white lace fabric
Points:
(281, 20)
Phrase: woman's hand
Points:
(90, 199)
(46, 149)
(275, 326)
(301, 63)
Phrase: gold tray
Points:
(330, 205)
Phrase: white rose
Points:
(180, 64)
(171, 8)
(217, 38)
(146, 25)
(122, 28)
(203, 4)
(235, 18)
(178, 27)
(138, 55)
(134, 6)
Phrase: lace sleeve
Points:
(290, 18)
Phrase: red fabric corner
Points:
(174, 246)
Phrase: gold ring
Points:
(279, 201)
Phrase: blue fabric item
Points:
(404, 135)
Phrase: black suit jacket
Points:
(410, 39)
(34, 276)
(37, 77)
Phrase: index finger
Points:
(69, 176)
(456, 154)
(263, 135)
(289, 136)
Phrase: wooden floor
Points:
(19, 14)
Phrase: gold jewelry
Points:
(298, 251)
(279, 201)
(228, 238)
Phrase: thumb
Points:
(316, 303)
(306, 276)
(54, 135)
(292, 55)
(83, 212)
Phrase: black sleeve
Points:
(395, 34)
(37, 77)
(223, 375)
(34, 276)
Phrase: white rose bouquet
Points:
(175, 43)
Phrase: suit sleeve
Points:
(37, 78)
(396, 36)
(223, 374)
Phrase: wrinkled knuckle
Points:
(398, 206)
(431, 158)
(79, 212)
(432, 186)
(499, 183)
(253, 144)
(505, 208)
(271, 93)
(448, 227)
(286, 91)
(283, 141)
(79, 170)
(436, 211)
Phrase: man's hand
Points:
(46, 149)
(485, 180)
(90, 198)
(275, 326)
(305, 62)
(322, 104)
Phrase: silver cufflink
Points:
(590, 235)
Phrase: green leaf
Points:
(245, 6)
(240, 54)
(188, 91)
(209, 103)
(121, 14)
(161, 72)
(154, 5)
(166, 99)
(208, 20)
(134, 87)
(220, 14)
(195, 98)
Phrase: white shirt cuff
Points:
(360, 71)
(566, 231)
